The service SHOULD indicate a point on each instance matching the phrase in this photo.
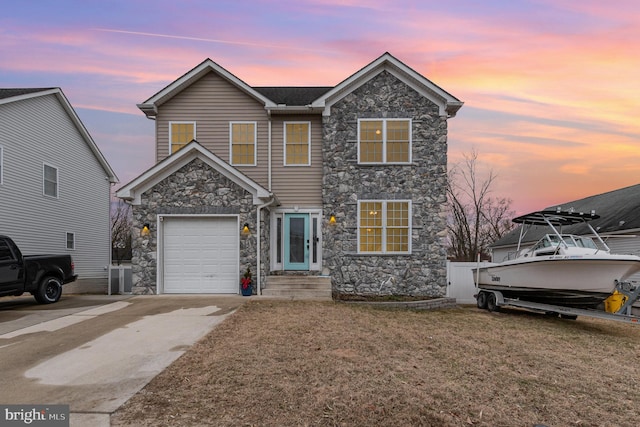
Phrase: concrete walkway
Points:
(95, 352)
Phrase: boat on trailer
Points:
(560, 269)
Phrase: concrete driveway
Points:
(93, 352)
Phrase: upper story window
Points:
(243, 136)
(297, 143)
(71, 241)
(384, 141)
(384, 226)
(50, 180)
(180, 134)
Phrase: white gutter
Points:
(259, 238)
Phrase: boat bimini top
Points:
(557, 218)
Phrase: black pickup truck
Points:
(41, 275)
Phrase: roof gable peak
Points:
(448, 104)
(134, 189)
(150, 106)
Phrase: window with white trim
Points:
(243, 136)
(50, 180)
(297, 143)
(71, 241)
(384, 141)
(180, 134)
(384, 226)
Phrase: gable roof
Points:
(18, 94)
(133, 190)
(10, 93)
(310, 99)
(150, 106)
(619, 212)
(449, 104)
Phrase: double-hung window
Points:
(297, 143)
(243, 137)
(384, 141)
(50, 180)
(384, 226)
(180, 134)
(71, 241)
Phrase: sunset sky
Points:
(551, 87)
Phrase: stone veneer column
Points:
(423, 272)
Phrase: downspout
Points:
(111, 184)
(269, 153)
(258, 246)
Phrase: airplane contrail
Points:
(168, 36)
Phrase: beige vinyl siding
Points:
(212, 102)
(297, 185)
(37, 131)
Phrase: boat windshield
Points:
(549, 241)
(552, 241)
(585, 242)
(579, 241)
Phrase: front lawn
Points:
(283, 363)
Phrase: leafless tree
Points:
(475, 218)
(121, 225)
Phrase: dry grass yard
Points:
(279, 363)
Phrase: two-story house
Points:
(55, 184)
(346, 182)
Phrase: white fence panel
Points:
(460, 284)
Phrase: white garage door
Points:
(201, 255)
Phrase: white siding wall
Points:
(628, 246)
(37, 131)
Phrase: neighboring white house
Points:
(54, 181)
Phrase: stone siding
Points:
(345, 182)
(194, 189)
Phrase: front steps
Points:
(298, 287)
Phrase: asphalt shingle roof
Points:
(8, 93)
(293, 96)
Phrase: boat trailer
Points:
(492, 300)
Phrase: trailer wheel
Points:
(481, 300)
(49, 290)
(492, 304)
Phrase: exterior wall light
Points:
(245, 228)
(145, 230)
(332, 219)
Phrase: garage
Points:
(200, 255)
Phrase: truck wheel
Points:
(481, 300)
(492, 304)
(49, 290)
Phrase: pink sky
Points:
(550, 87)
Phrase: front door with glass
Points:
(296, 241)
